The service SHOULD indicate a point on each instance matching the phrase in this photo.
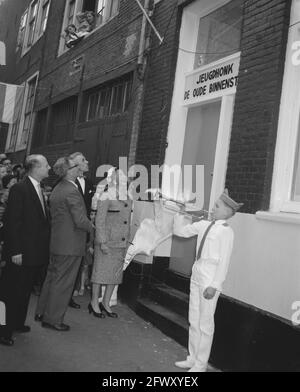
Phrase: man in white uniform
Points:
(214, 247)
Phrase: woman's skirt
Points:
(108, 269)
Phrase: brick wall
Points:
(159, 85)
(255, 121)
(106, 49)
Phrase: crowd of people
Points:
(10, 174)
(54, 237)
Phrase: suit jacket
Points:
(113, 223)
(87, 194)
(26, 227)
(69, 222)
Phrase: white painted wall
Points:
(265, 265)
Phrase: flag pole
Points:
(150, 21)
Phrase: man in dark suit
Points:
(69, 228)
(26, 237)
(86, 188)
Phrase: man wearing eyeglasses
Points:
(69, 229)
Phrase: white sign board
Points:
(212, 81)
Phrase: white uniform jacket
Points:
(211, 269)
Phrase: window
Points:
(28, 110)
(33, 24)
(77, 11)
(71, 12)
(105, 10)
(108, 101)
(219, 33)
(285, 196)
(93, 105)
(22, 29)
(62, 121)
(45, 5)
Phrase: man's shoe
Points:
(74, 305)
(6, 341)
(23, 329)
(187, 364)
(38, 318)
(57, 327)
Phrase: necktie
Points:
(79, 186)
(41, 198)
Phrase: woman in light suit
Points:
(111, 241)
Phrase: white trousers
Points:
(202, 326)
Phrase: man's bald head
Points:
(37, 167)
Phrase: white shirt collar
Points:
(35, 183)
(220, 222)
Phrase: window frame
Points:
(110, 91)
(42, 22)
(22, 30)
(38, 21)
(288, 133)
(29, 108)
(32, 21)
(78, 8)
(17, 145)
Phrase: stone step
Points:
(169, 322)
(170, 298)
(177, 281)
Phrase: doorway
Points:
(200, 145)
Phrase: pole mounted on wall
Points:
(150, 21)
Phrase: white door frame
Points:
(222, 146)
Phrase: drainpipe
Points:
(138, 90)
(143, 36)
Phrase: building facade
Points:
(234, 109)
(221, 90)
(85, 97)
(23, 30)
